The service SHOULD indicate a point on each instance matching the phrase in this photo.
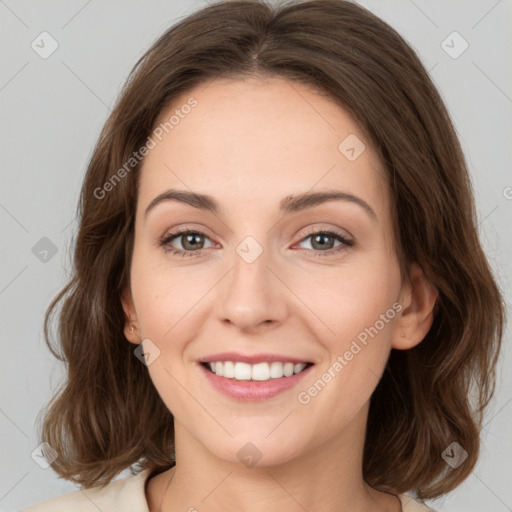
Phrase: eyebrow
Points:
(290, 204)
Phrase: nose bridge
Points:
(251, 294)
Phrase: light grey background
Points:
(52, 111)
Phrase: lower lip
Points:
(252, 390)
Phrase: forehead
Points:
(258, 140)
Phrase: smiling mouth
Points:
(255, 372)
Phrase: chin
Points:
(257, 448)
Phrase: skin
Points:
(249, 144)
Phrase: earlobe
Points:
(418, 298)
(131, 329)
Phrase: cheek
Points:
(164, 299)
(351, 298)
(358, 308)
(164, 294)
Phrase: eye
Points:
(322, 242)
(191, 242)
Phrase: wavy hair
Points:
(107, 415)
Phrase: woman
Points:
(278, 218)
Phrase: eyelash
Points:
(166, 240)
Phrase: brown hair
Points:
(108, 415)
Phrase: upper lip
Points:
(252, 359)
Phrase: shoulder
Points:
(127, 494)
(409, 504)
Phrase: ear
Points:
(417, 297)
(131, 326)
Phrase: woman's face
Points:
(260, 276)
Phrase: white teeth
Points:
(229, 369)
(297, 368)
(276, 370)
(288, 369)
(242, 371)
(259, 371)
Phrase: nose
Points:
(252, 294)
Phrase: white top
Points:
(129, 495)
